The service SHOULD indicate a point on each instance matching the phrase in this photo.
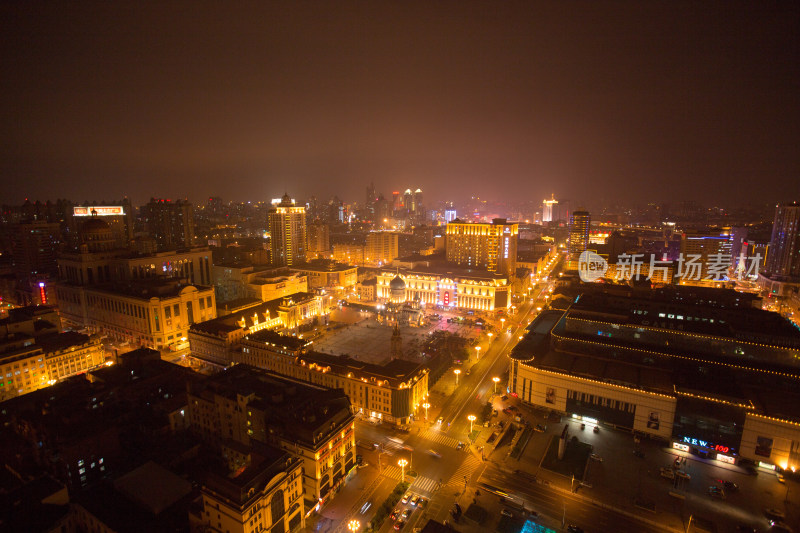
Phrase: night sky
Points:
(638, 101)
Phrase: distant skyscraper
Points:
(319, 239)
(449, 215)
(381, 247)
(547, 209)
(484, 246)
(783, 257)
(170, 223)
(712, 250)
(34, 248)
(578, 240)
(287, 226)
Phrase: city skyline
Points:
(634, 103)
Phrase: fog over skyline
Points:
(611, 101)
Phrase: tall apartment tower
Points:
(783, 257)
(578, 239)
(319, 239)
(550, 209)
(381, 247)
(170, 223)
(485, 246)
(706, 249)
(287, 226)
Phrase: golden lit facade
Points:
(468, 293)
(287, 226)
(485, 246)
(381, 247)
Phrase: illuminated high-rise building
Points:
(578, 240)
(486, 246)
(711, 251)
(783, 257)
(548, 207)
(319, 239)
(287, 226)
(381, 247)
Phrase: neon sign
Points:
(706, 444)
(42, 292)
(101, 210)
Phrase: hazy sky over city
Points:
(638, 101)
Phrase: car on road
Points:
(596, 429)
(729, 485)
(781, 479)
(775, 514)
(595, 457)
(716, 492)
(422, 501)
(365, 507)
(406, 513)
(395, 514)
(406, 496)
(540, 428)
(684, 475)
(399, 525)
(439, 420)
(506, 512)
(435, 454)
(415, 500)
(460, 446)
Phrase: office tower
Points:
(711, 251)
(170, 223)
(372, 196)
(487, 246)
(319, 239)
(33, 247)
(287, 226)
(396, 200)
(578, 239)
(783, 258)
(449, 215)
(417, 204)
(381, 247)
(548, 206)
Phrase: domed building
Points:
(97, 235)
(397, 290)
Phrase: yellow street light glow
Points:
(353, 525)
(478, 350)
(496, 381)
(426, 405)
(471, 419)
(402, 463)
(456, 372)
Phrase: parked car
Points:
(406, 513)
(415, 500)
(596, 457)
(439, 420)
(506, 512)
(422, 501)
(596, 429)
(399, 525)
(716, 492)
(395, 514)
(460, 446)
(540, 428)
(781, 479)
(406, 496)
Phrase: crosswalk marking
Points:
(391, 472)
(440, 438)
(466, 469)
(425, 484)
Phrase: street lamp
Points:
(503, 324)
(478, 351)
(426, 405)
(402, 463)
(496, 381)
(490, 337)
(353, 525)
(471, 419)
(456, 372)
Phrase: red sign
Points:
(446, 298)
(101, 210)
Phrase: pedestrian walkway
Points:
(391, 472)
(465, 470)
(440, 438)
(424, 484)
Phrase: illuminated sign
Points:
(101, 210)
(706, 444)
(447, 298)
(42, 292)
(505, 249)
(681, 447)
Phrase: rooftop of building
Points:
(440, 268)
(323, 265)
(302, 411)
(249, 313)
(764, 386)
(274, 338)
(145, 289)
(395, 373)
(53, 342)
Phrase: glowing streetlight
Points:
(426, 405)
(402, 463)
(490, 336)
(478, 351)
(496, 381)
(353, 525)
(456, 372)
(471, 419)
(503, 324)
